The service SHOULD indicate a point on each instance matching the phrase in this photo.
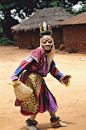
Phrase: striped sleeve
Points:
(55, 72)
(23, 66)
(58, 75)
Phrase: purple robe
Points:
(37, 62)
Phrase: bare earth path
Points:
(71, 100)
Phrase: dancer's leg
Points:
(55, 121)
(31, 123)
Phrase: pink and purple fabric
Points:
(37, 62)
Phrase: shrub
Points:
(4, 41)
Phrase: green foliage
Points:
(9, 6)
(61, 5)
(84, 2)
(82, 10)
(1, 31)
(42, 5)
(1, 28)
(48, 4)
(53, 3)
(28, 7)
(4, 41)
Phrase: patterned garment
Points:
(36, 68)
(40, 100)
(37, 62)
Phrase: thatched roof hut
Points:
(74, 32)
(15, 26)
(28, 31)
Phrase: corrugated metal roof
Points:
(79, 19)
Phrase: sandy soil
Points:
(71, 100)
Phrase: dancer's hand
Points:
(66, 77)
(66, 80)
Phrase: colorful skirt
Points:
(40, 100)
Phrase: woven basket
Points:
(22, 91)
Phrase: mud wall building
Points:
(74, 33)
(28, 31)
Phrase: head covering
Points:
(45, 29)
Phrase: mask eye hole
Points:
(44, 41)
(49, 41)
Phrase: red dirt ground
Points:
(71, 100)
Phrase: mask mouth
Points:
(47, 51)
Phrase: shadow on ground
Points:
(47, 126)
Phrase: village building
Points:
(28, 30)
(74, 33)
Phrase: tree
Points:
(28, 6)
(6, 6)
(81, 10)
(66, 4)
(23, 8)
(1, 29)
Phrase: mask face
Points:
(47, 44)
